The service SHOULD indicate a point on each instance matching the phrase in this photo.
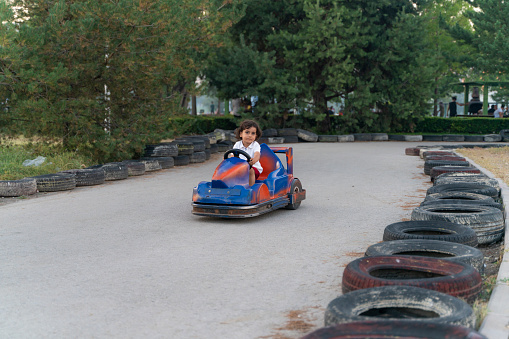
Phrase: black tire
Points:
(198, 145)
(328, 138)
(287, 132)
(458, 196)
(438, 170)
(270, 132)
(205, 139)
(460, 201)
(197, 157)
(307, 135)
(429, 164)
(207, 154)
(134, 167)
(459, 174)
(362, 137)
(487, 222)
(185, 147)
(18, 188)
(151, 164)
(113, 171)
(276, 140)
(430, 248)
(296, 187)
(396, 137)
(290, 139)
(214, 148)
(432, 230)
(401, 329)
(88, 176)
(379, 137)
(432, 137)
(399, 302)
(471, 188)
(161, 150)
(345, 138)
(430, 153)
(505, 134)
(55, 182)
(472, 179)
(492, 138)
(453, 278)
(165, 162)
(474, 138)
(446, 157)
(181, 160)
(453, 137)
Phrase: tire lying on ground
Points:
(151, 164)
(55, 182)
(426, 153)
(453, 278)
(412, 151)
(181, 160)
(491, 203)
(213, 148)
(197, 157)
(113, 170)
(399, 302)
(430, 248)
(446, 157)
(480, 180)
(165, 162)
(87, 176)
(470, 188)
(458, 195)
(439, 170)
(185, 147)
(429, 164)
(169, 149)
(307, 135)
(394, 329)
(487, 222)
(18, 188)
(431, 230)
(461, 174)
(134, 167)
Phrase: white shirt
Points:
(497, 113)
(251, 150)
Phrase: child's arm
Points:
(255, 158)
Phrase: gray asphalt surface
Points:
(128, 259)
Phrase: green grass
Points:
(13, 155)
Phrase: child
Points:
(247, 133)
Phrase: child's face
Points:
(248, 136)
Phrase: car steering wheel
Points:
(236, 152)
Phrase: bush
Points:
(200, 124)
(461, 125)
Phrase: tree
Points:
(91, 73)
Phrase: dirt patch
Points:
(298, 324)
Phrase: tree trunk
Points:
(321, 107)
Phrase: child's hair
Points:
(247, 124)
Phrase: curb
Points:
(496, 323)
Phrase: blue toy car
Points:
(229, 195)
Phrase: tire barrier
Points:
(134, 167)
(399, 302)
(430, 248)
(439, 170)
(55, 182)
(18, 188)
(470, 188)
(87, 176)
(487, 222)
(431, 230)
(429, 164)
(412, 151)
(438, 202)
(453, 278)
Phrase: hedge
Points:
(201, 124)
(457, 125)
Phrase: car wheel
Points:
(296, 187)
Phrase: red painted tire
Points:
(437, 170)
(446, 157)
(400, 329)
(412, 151)
(429, 164)
(453, 278)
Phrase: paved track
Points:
(128, 259)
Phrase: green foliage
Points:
(12, 157)
(91, 73)
(436, 125)
(189, 125)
